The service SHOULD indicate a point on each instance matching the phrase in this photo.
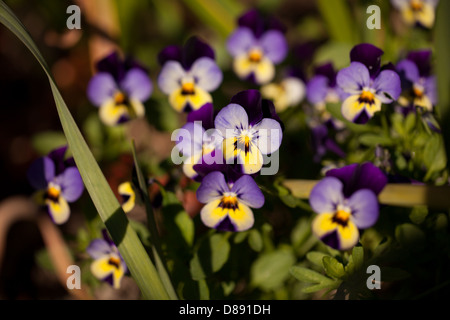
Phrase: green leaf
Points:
(434, 158)
(373, 140)
(186, 226)
(271, 269)
(196, 269)
(108, 207)
(255, 240)
(409, 235)
(316, 257)
(418, 214)
(220, 250)
(321, 286)
(333, 267)
(308, 275)
(358, 257)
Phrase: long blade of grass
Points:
(109, 209)
(158, 256)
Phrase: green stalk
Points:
(158, 255)
(109, 209)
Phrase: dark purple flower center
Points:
(229, 202)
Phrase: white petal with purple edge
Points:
(170, 76)
(274, 45)
(137, 84)
(212, 187)
(248, 192)
(269, 135)
(231, 118)
(207, 74)
(98, 248)
(101, 87)
(326, 195)
(353, 78)
(364, 207)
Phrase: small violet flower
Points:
(250, 128)
(119, 89)
(58, 181)
(108, 264)
(189, 74)
(257, 45)
(419, 86)
(346, 201)
(420, 12)
(228, 205)
(199, 142)
(366, 85)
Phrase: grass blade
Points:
(101, 194)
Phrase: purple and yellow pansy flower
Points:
(189, 74)
(366, 85)
(108, 264)
(250, 129)
(419, 86)
(199, 142)
(346, 201)
(58, 182)
(228, 203)
(257, 45)
(119, 89)
(420, 12)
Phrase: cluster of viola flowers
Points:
(225, 149)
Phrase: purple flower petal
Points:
(369, 55)
(388, 86)
(190, 139)
(274, 45)
(137, 85)
(326, 195)
(253, 20)
(207, 74)
(230, 118)
(248, 192)
(195, 49)
(317, 89)
(364, 206)
(71, 184)
(431, 89)
(205, 114)
(98, 248)
(113, 65)
(58, 158)
(212, 187)
(353, 78)
(327, 71)
(359, 176)
(170, 53)
(101, 87)
(269, 111)
(41, 172)
(251, 101)
(408, 70)
(240, 41)
(422, 59)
